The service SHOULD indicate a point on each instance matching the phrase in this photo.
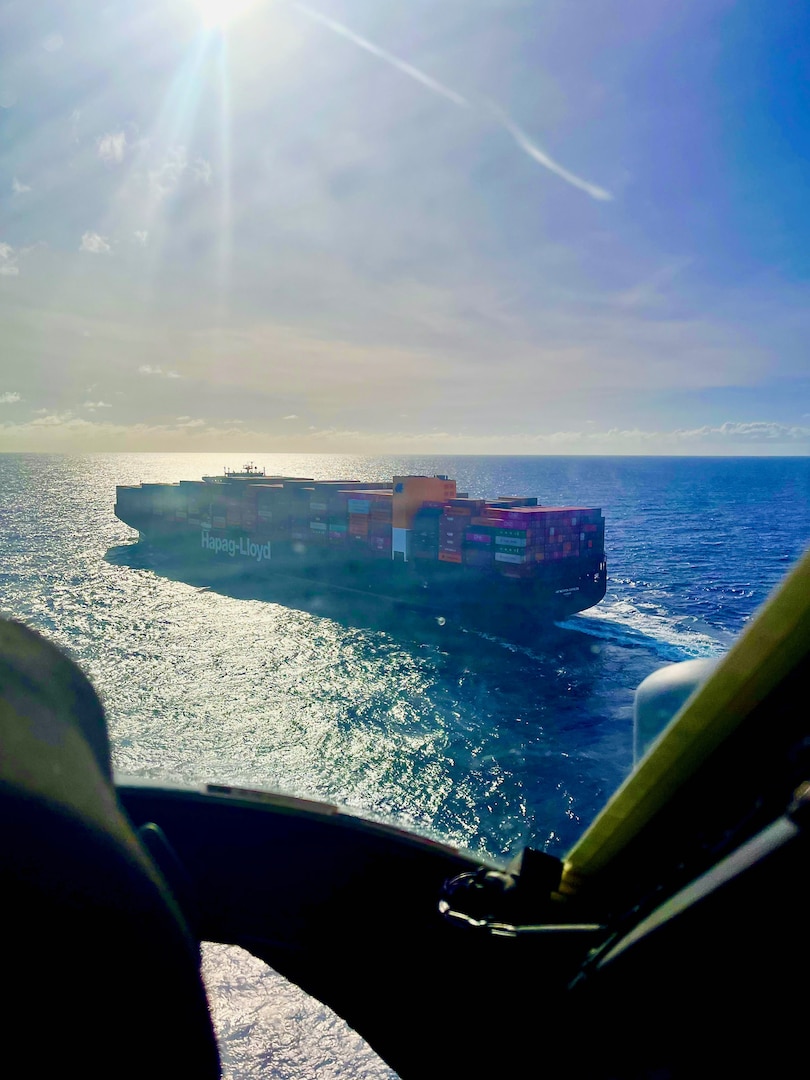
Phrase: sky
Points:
(457, 226)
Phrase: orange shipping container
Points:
(410, 492)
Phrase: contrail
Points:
(525, 144)
(375, 50)
(520, 137)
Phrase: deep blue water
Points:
(489, 744)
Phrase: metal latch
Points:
(508, 902)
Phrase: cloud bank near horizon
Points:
(67, 431)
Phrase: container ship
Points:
(507, 564)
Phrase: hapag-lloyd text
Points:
(247, 549)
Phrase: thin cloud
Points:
(9, 398)
(202, 170)
(521, 139)
(150, 369)
(64, 431)
(96, 405)
(50, 420)
(389, 58)
(18, 187)
(111, 147)
(650, 292)
(165, 179)
(141, 236)
(292, 416)
(542, 158)
(756, 431)
(95, 244)
(729, 436)
(8, 261)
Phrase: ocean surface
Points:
(489, 744)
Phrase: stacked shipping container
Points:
(512, 535)
(456, 516)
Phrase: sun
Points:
(218, 14)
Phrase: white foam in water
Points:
(621, 622)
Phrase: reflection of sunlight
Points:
(225, 222)
(221, 13)
(163, 158)
(165, 166)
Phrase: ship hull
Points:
(449, 593)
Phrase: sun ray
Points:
(225, 168)
(219, 14)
